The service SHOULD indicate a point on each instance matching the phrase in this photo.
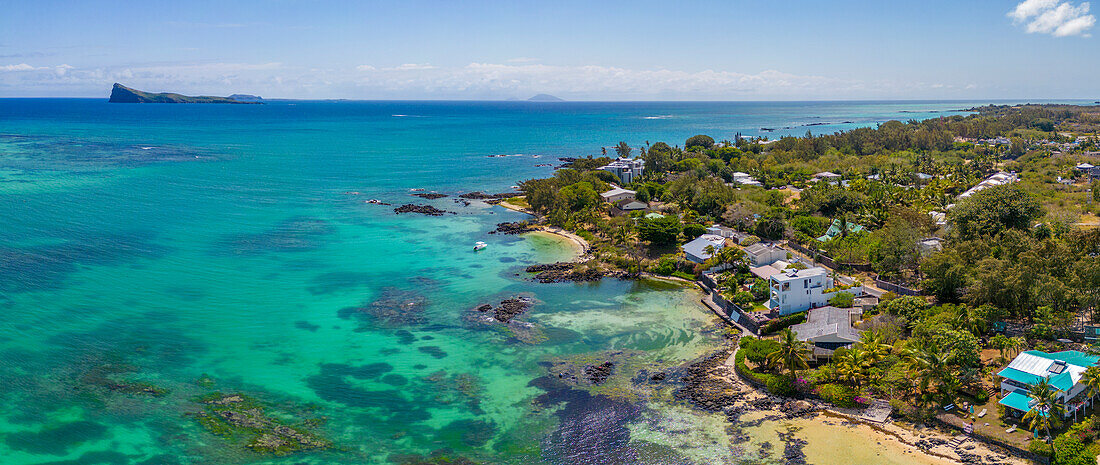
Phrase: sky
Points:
(576, 50)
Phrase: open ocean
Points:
(221, 248)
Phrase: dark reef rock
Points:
(422, 209)
(518, 227)
(591, 428)
(429, 195)
(511, 308)
(478, 195)
(597, 374)
(706, 382)
(561, 272)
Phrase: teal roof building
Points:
(1063, 370)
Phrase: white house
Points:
(616, 194)
(794, 290)
(745, 179)
(760, 254)
(696, 250)
(998, 179)
(626, 169)
(1061, 369)
(828, 329)
(827, 176)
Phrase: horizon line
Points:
(344, 99)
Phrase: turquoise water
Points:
(213, 248)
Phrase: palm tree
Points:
(1091, 378)
(853, 365)
(792, 353)
(1044, 406)
(928, 365)
(1017, 344)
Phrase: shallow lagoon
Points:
(203, 249)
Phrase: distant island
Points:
(123, 94)
(544, 98)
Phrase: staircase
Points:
(957, 441)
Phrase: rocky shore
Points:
(561, 272)
(422, 209)
(491, 199)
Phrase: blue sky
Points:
(583, 50)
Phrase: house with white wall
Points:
(795, 290)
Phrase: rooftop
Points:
(617, 191)
(698, 246)
(1063, 369)
(791, 274)
(825, 321)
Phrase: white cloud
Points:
(1029, 8)
(365, 68)
(19, 67)
(411, 67)
(1054, 17)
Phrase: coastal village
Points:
(941, 280)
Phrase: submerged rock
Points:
(429, 195)
(393, 308)
(107, 377)
(239, 417)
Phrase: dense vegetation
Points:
(1013, 267)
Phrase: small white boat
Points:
(479, 245)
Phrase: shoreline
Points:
(927, 443)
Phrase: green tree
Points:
(701, 141)
(691, 231)
(791, 353)
(579, 196)
(993, 210)
(1044, 407)
(772, 225)
(659, 231)
(945, 276)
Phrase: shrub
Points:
(842, 300)
(1039, 447)
(750, 241)
(757, 350)
(683, 275)
(838, 395)
(781, 386)
(782, 323)
(586, 235)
